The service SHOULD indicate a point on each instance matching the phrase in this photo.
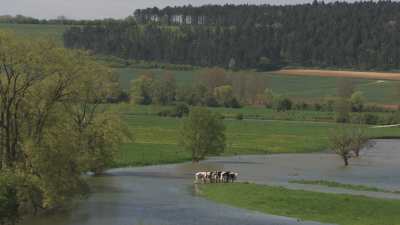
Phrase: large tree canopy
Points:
(53, 127)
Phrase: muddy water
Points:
(163, 195)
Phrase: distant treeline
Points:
(20, 19)
(363, 35)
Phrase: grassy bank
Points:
(157, 138)
(306, 205)
(341, 185)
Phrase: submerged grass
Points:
(306, 205)
(341, 185)
(157, 138)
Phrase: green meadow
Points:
(37, 31)
(296, 87)
(342, 185)
(306, 205)
(156, 139)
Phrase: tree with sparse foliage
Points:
(203, 133)
(341, 141)
(360, 140)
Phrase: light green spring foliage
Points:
(141, 89)
(203, 133)
(357, 101)
(52, 125)
(224, 94)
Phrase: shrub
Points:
(164, 113)
(181, 109)
(301, 106)
(371, 119)
(239, 116)
(282, 104)
(318, 107)
(8, 200)
(235, 103)
(357, 102)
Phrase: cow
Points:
(200, 176)
(229, 176)
(232, 176)
(216, 177)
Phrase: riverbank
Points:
(306, 205)
(163, 194)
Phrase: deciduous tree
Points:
(203, 133)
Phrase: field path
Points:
(335, 73)
(387, 126)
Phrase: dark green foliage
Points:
(371, 119)
(9, 203)
(282, 104)
(235, 103)
(361, 35)
(239, 116)
(305, 106)
(181, 109)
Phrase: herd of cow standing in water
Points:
(215, 177)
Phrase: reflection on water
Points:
(163, 194)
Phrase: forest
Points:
(361, 36)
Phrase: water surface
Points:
(163, 195)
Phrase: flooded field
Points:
(164, 194)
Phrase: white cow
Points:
(202, 176)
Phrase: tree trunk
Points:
(346, 160)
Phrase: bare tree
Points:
(213, 78)
(360, 140)
(341, 142)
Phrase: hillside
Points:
(362, 36)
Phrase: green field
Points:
(157, 138)
(292, 86)
(37, 31)
(297, 87)
(306, 205)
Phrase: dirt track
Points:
(334, 73)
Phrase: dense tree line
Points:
(362, 35)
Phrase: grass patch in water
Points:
(341, 185)
(339, 209)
